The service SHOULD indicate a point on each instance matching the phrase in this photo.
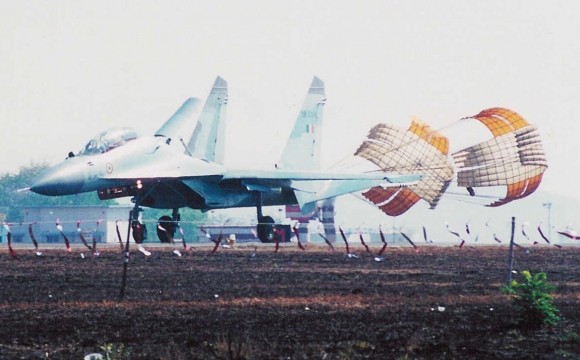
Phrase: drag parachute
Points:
(512, 159)
(415, 150)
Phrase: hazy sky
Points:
(71, 68)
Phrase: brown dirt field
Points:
(293, 304)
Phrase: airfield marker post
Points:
(511, 253)
(126, 260)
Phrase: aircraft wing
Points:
(308, 187)
(171, 166)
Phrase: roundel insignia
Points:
(109, 168)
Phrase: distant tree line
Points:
(11, 199)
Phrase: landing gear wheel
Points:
(266, 229)
(139, 231)
(166, 229)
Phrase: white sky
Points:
(69, 69)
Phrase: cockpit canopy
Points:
(108, 140)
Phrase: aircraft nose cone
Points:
(62, 179)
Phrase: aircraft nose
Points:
(63, 179)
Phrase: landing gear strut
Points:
(265, 226)
(139, 232)
(139, 228)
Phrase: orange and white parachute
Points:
(512, 159)
(415, 150)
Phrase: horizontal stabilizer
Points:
(335, 188)
(313, 186)
(312, 175)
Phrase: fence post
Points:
(511, 253)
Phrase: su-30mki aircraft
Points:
(181, 165)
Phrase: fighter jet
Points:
(181, 165)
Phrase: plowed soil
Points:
(248, 303)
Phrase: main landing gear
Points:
(265, 228)
(166, 227)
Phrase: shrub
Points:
(114, 351)
(533, 300)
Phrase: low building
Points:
(94, 222)
(323, 215)
(241, 233)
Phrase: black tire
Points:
(139, 232)
(265, 229)
(167, 235)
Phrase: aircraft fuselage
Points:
(160, 173)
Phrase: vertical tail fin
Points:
(207, 140)
(187, 113)
(302, 150)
